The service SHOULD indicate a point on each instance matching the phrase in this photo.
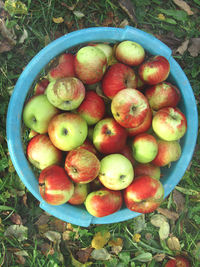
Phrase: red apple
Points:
(129, 107)
(127, 152)
(90, 64)
(130, 53)
(168, 151)
(119, 76)
(103, 202)
(145, 147)
(64, 68)
(87, 144)
(144, 194)
(109, 136)
(79, 195)
(178, 261)
(92, 109)
(155, 70)
(82, 165)
(55, 186)
(143, 127)
(42, 153)
(162, 95)
(41, 86)
(147, 169)
(169, 124)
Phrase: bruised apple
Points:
(103, 202)
(80, 193)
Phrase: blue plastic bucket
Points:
(78, 215)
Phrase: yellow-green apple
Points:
(117, 77)
(55, 186)
(92, 109)
(109, 136)
(168, 151)
(129, 107)
(127, 152)
(87, 144)
(147, 169)
(144, 194)
(82, 165)
(106, 48)
(162, 95)
(42, 153)
(66, 93)
(145, 147)
(178, 261)
(169, 124)
(103, 202)
(80, 193)
(130, 53)
(67, 131)
(37, 113)
(32, 134)
(90, 64)
(154, 70)
(143, 127)
(41, 86)
(64, 67)
(116, 172)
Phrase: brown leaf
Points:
(9, 37)
(16, 218)
(20, 259)
(194, 48)
(24, 200)
(183, 47)
(66, 235)
(47, 249)
(183, 5)
(123, 23)
(179, 200)
(43, 219)
(128, 7)
(116, 245)
(173, 243)
(168, 214)
(109, 19)
(71, 8)
(58, 225)
(84, 254)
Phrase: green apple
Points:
(116, 172)
(67, 131)
(37, 113)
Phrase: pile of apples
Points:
(104, 121)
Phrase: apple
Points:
(129, 107)
(130, 53)
(64, 67)
(168, 151)
(145, 147)
(162, 95)
(103, 202)
(154, 70)
(178, 261)
(55, 186)
(66, 93)
(42, 153)
(41, 86)
(144, 194)
(143, 127)
(117, 77)
(37, 113)
(127, 152)
(32, 134)
(90, 64)
(87, 144)
(82, 166)
(95, 185)
(106, 48)
(147, 169)
(116, 172)
(92, 109)
(109, 136)
(79, 195)
(169, 124)
(67, 131)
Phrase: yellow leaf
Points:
(116, 242)
(161, 16)
(58, 20)
(100, 240)
(136, 237)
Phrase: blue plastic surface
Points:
(67, 212)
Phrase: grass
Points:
(50, 242)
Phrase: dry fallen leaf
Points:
(173, 243)
(53, 236)
(183, 5)
(100, 240)
(194, 47)
(43, 219)
(158, 220)
(179, 200)
(116, 245)
(100, 254)
(183, 47)
(168, 214)
(20, 232)
(58, 20)
(16, 218)
(47, 249)
(84, 254)
(164, 230)
(159, 257)
(58, 225)
(9, 38)
(128, 7)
